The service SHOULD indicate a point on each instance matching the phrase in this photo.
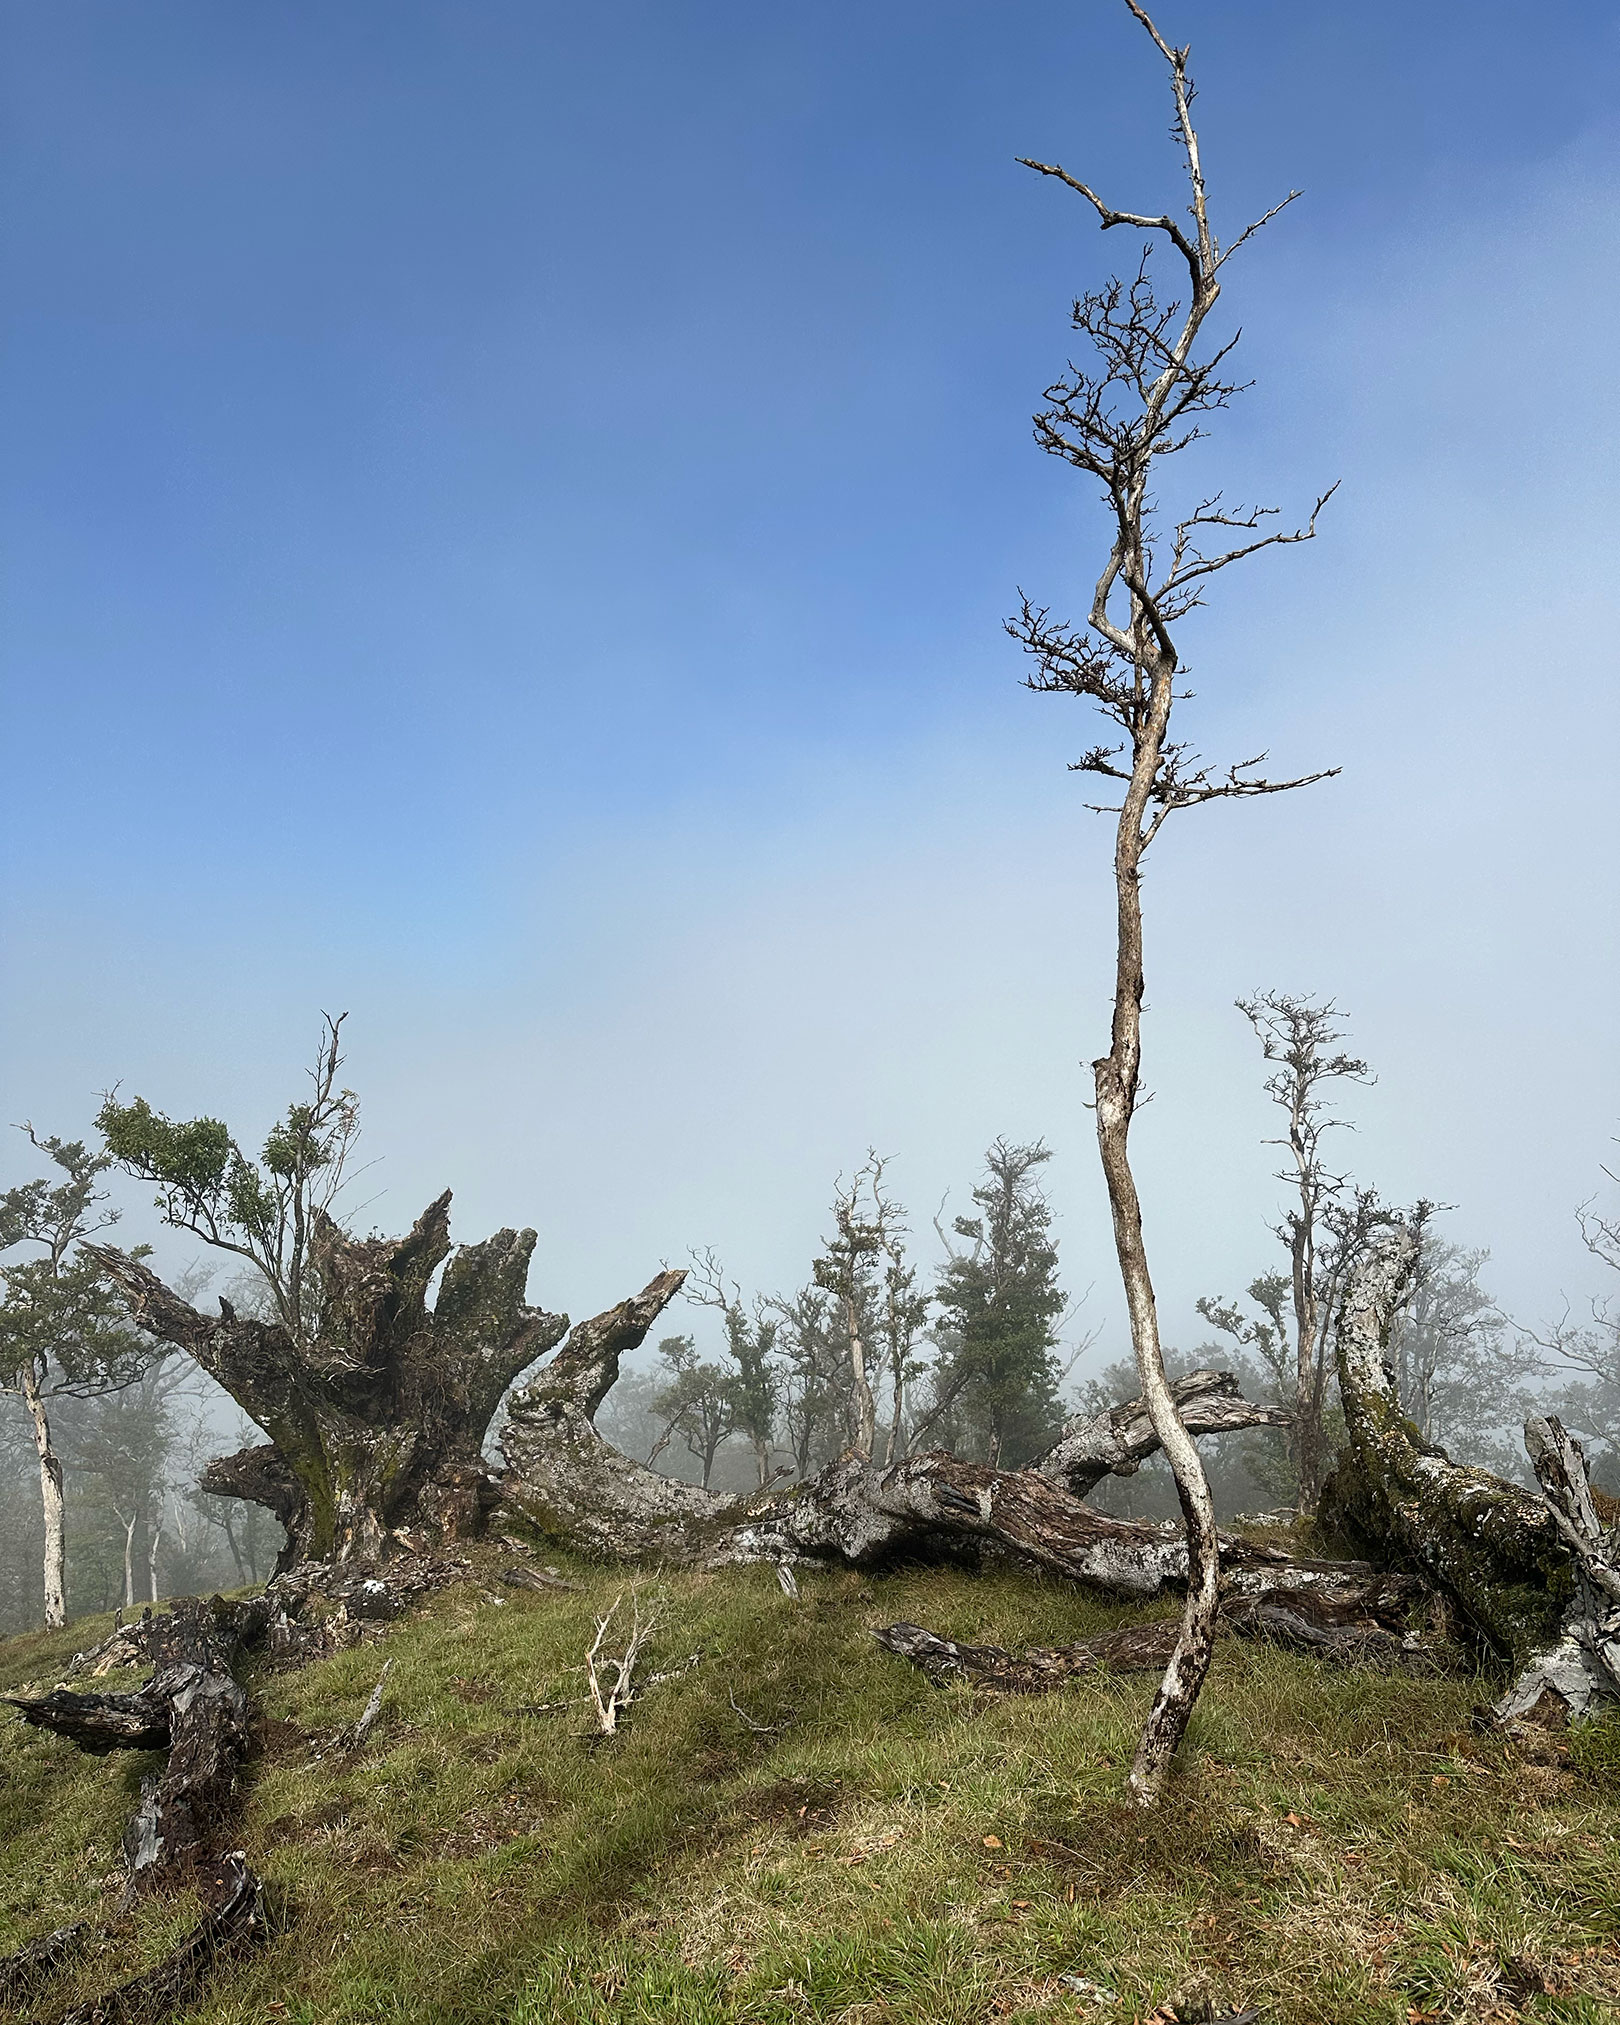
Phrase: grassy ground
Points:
(1338, 1847)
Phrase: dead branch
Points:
(1119, 1439)
(371, 1711)
(611, 1699)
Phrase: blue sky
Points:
(508, 513)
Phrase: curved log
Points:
(1350, 1621)
(378, 1423)
(1491, 1547)
(1119, 1440)
(569, 1484)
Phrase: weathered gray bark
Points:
(1119, 1440)
(1581, 1670)
(377, 1427)
(571, 1485)
(1493, 1548)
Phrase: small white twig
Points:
(610, 1700)
(371, 1711)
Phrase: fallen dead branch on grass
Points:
(1355, 1622)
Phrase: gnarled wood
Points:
(1581, 1670)
(1119, 1440)
(571, 1485)
(377, 1423)
(1349, 1620)
(233, 1925)
(1491, 1547)
(192, 1706)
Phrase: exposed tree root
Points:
(233, 1925)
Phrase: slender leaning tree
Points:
(1118, 420)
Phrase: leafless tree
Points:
(1117, 421)
(1301, 1037)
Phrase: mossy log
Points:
(377, 1425)
(1493, 1548)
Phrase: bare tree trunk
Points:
(1116, 1076)
(1307, 1412)
(129, 1558)
(50, 1498)
(861, 1384)
(152, 1559)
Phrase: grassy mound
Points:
(800, 1828)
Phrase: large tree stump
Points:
(378, 1423)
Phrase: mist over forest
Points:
(799, 1218)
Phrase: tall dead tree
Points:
(1118, 421)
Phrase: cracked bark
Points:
(1119, 1440)
(1494, 1549)
(376, 1425)
(571, 1485)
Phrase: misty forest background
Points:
(978, 1344)
(649, 773)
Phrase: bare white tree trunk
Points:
(50, 1498)
(861, 1384)
(129, 1559)
(152, 1558)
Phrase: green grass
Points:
(1338, 1847)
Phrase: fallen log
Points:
(1493, 1548)
(569, 1484)
(1354, 1621)
(1118, 1440)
